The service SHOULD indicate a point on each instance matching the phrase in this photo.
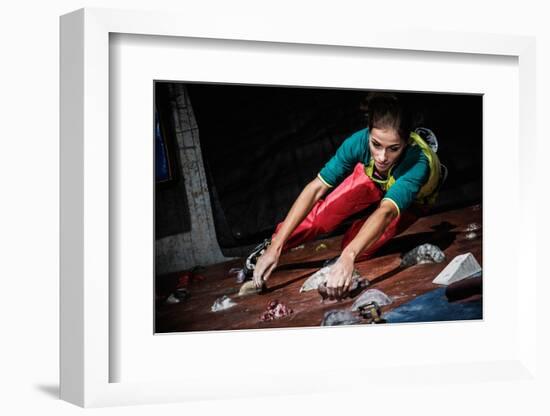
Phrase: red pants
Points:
(356, 193)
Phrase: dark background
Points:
(261, 145)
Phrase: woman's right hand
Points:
(265, 265)
(299, 210)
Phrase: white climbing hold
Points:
(248, 288)
(172, 299)
(321, 276)
(222, 303)
(371, 295)
(459, 268)
(426, 253)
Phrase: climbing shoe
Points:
(252, 258)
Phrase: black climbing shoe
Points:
(252, 258)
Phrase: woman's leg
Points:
(354, 194)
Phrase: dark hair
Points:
(387, 110)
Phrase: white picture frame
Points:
(86, 262)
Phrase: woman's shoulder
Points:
(359, 139)
(412, 157)
(362, 144)
(362, 134)
(356, 141)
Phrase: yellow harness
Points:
(428, 193)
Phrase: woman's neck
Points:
(379, 174)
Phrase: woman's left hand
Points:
(339, 280)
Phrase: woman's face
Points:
(385, 147)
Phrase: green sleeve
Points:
(403, 192)
(347, 156)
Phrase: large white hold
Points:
(459, 268)
(321, 276)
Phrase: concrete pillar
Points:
(199, 246)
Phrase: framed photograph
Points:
(182, 148)
(260, 146)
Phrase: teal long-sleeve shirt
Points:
(404, 181)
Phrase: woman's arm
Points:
(312, 192)
(340, 279)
